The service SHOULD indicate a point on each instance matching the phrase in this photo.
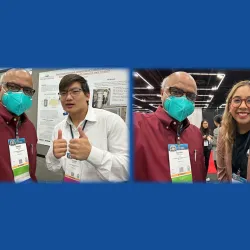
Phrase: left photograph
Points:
(64, 125)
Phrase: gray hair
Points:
(1, 78)
(164, 83)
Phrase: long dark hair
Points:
(204, 131)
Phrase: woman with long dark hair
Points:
(207, 137)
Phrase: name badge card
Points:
(19, 159)
(73, 170)
(180, 166)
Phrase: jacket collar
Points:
(9, 117)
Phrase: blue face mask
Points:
(178, 107)
(16, 102)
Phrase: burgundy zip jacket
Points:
(152, 134)
(8, 131)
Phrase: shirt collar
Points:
(91, 116)
(168, 121)
(8, 116)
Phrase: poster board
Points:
(108, 89)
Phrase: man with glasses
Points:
(167, 147)
(90, 144)
(18, 135)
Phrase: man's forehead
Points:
(181, 77)
(17, 75)
(73, 86)
(183, 81)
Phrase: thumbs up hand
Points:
(59, 146)
(80, 148)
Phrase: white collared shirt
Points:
(109, 156)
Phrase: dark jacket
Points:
(152, 134)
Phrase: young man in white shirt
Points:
(90, 144)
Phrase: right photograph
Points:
(191, 125)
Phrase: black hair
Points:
(204, 130)
(218, 119)
(67, 80)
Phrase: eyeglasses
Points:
(237, 101)
(73, 92)
(10, 86)
(179, 93)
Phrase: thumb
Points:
(81, 133)
(59, 134)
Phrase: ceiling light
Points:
(151, 87)
(222, 106)
(203, 89)
(220, 76)
(135, 74)
(211, 98)
(146, 95)
(141, 100)
(136, 106)
(202, 101)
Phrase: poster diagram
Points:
(108, 89)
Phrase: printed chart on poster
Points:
(108, 89)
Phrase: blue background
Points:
(205, 34)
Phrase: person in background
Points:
(18, 135)
(90, 144)
(217, 123)
(94, 101)
(158, 136)
(105, 97)
(207, 146)
(234, 137)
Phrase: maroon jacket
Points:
(152, 134)
(8, 131)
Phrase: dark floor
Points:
(44, 175)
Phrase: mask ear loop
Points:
(4, 88)
(168, 96)
(5, 92)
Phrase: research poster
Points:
(108, 88)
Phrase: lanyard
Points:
(179, 130)
(17, 125)
(71, 131)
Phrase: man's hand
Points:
(59, 146)
(80, 148)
